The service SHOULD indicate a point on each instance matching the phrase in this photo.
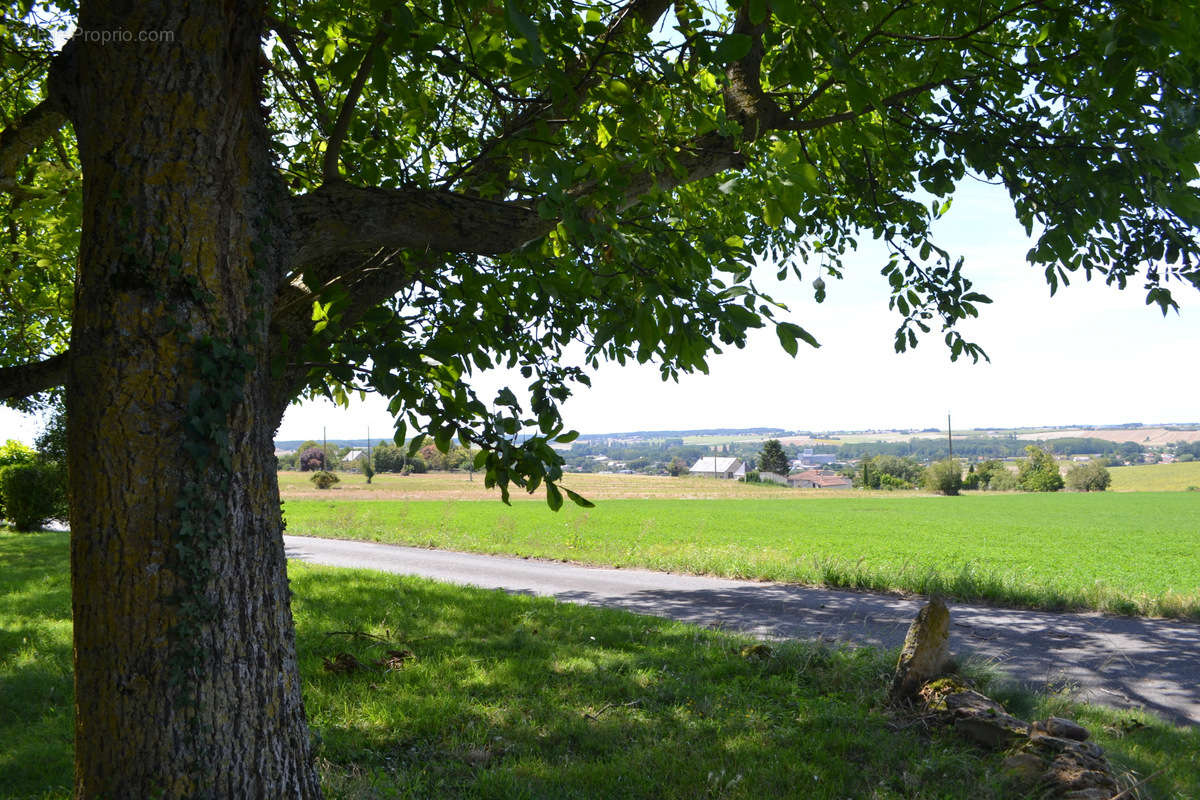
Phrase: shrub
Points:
(1003, 481)
(32, 494)
(1091, 477)
(13, 452)
(944, 477)
(1186, 457)
(368, 470)
(890, 482)
(312, 459)
(323, 479)
(388, 458)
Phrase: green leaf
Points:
(568, 437)
(527, 29)
(789, 332)
(787, 11)
(772, 212)
(758, 11)
(578, 500)
(734, 47)
(554, 497)
(787, 338)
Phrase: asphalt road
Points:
(1116, 661)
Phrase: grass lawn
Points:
(1127, 553)
(517, 697)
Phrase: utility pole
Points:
(949, 435)
(324, 449)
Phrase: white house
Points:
(353, 456)
(717, 467)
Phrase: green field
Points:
(1156, 477)
(1136, 553)
(517, 697)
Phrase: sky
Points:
(1090, 355)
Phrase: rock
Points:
(1074, 771)
(926, 651)
(1057, 744)
(1062, 728)
(1026, 767)
(972, 702)
(993, 730)
(757, 652)
(933, 694)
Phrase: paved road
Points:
(1117, 661)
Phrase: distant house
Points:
(718, 467)
(281, 452)
(773, 477)
(814, 479)
(353, 457)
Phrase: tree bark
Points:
(186, 678)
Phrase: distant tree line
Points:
(925, 449)
(312, 456)
(1037, 472)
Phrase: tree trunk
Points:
(186, 679)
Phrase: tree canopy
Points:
(480, 184)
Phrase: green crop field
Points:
(1156, 477)
(1136, 553)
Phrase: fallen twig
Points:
(596, 716)
(1148, 778)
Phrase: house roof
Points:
(826, 481)
(822, 479)
(353, 455)
(716, 464)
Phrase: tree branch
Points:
(333, 147)
(338, 219)
(24, 380)
(846, 116)
(958, 37)
(18, 140)
(584, 75)
(745, 100)
(287, 35)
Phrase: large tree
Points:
(772, 458)
(213, 208)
